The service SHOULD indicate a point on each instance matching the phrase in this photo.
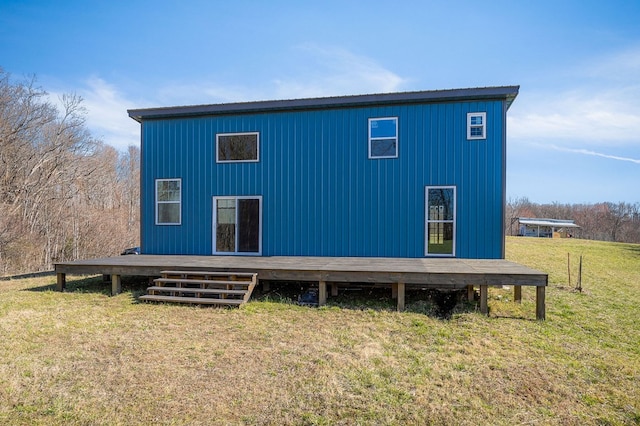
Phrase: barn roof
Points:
(554, 223)
(506, 93)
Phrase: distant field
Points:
(82, 357)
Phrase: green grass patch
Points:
(83, 357)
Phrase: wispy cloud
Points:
(330, 71)
(595, 154)
(618, 66)
(590, 115)
(204, 92)
(601, 106)
(107, 114)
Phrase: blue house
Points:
(414, 174)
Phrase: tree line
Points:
(64, 194)
(619, 222)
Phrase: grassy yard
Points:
(82, 357)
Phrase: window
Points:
(237, 147)
(477, 125)
(237, 225)
(440, 212)
(383, 137)
(168, 201)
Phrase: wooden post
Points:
(470, 293)
(580, 276)
(322, 293)
(484, 307)
(334, 289)
(517, 293)
(394, 291)
(116, 284)
(400, 287)
(540, 303)
(61, 281)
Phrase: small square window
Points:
(383, 137)
(237, 147)
(477, 125)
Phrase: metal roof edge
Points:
(507, 93)
(548, 222)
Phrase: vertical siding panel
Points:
(307, 173)
(468, 199)
(291, 206)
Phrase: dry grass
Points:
(83, 357)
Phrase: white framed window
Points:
(476, 125)
(237, 147)
(168, 201)
(440, 226)
(383, 137)
(237, 225)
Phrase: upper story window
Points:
(236, 147)
(477, 125)
(168, 201)
(383, 137)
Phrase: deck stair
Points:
(202, 287)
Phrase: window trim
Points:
(158, 202)
(470, 116)
(427, 221)
(214, 248)
(256, 160)
(370, 138)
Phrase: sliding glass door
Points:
(237, 225)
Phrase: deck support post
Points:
(61, 281)
(116, 284)
(484, 307)
(540, 302)
(394, 291)
(517, 293)
(322, 293)
(400, 289)
(470, 293)
(334, 289)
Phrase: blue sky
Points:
(573, 132)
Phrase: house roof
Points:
(506, 93)
(554, 223)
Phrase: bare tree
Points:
(63, 194)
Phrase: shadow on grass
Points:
(96, 284)
(633, 248)
(28, 275)
(512, 317)
(442, 305)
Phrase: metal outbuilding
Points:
(539, 227)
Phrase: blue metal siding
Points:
(322, 196)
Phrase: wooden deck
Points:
(399, 273)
